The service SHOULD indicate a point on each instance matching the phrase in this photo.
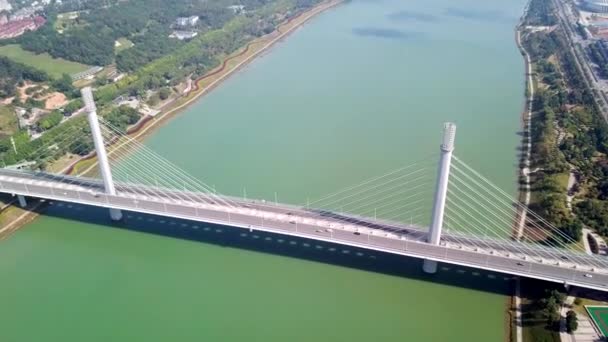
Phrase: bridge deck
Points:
(517, 259)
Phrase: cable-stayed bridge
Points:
(449, 213)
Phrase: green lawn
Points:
(8, 121)
(53, 66)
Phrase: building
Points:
(237, 9)
(87, 73)
(15, 28)
(183, 35)
(598, 6)
(26, 13)
(186, 21)
(5, 5)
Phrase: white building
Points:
(237, 8)
(181, 35)
(5, 5)
(187, 21)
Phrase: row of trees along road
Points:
(568, 131)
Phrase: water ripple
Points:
(412, 16)
(386, 33)
(473, 14)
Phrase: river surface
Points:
(360, 90)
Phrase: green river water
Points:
(360, 90)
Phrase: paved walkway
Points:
(518, 319)
(563, 334)
(585, 332)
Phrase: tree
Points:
(14, 73)
(64, 85)
(82, 146)
(550, 310)
(50, 120)
(164, 93)
(73, 106)
(101, 81)
(123, 116)
(572, 229)
(571, 321)
(550, 306)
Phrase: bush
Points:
(50, 120)
(123, 116)
(571, 321)
(164, 93)
(73, 106)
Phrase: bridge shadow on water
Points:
(287, 246)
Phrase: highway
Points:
(390, 237)
(568, 20)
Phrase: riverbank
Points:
(201, 86)
(524, 189)
(526, 126)
(206, 83)
(335, 122)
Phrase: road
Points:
(389, 237)
(576, 44)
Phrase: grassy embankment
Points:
(55, 67)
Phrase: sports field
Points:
(599, 315)
(55, 67)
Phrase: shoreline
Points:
(147, 125)
(524, 168)
(197, 92)
(524, 165)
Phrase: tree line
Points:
(540, 13)
(145, 22)
(14, 73)
(567, 131)
(222, 35)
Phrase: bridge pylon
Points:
(441, 190)
(100, 149)
(22, 201)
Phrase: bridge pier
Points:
(115, 214)
(441, 190)
(429, 266)
(22, 201)
(100, 149)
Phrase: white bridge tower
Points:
(100, 149)
(441, 190)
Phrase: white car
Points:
(587, 275)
